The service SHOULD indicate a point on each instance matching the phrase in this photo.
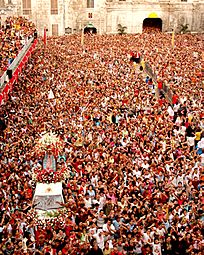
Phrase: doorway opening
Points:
(90, 29)
(152, 25)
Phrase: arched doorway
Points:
(152, 25)
(90, 29)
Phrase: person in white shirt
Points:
(87, 201)
(102, 200)
(147, 237)
(100, 239)
(191, 141)
(170, 112)
(145, 164)
(137, 172)
(176, 107)
(109, 228)
(156, 248)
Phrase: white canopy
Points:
(48, 196)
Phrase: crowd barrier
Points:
(168, 93)
(149, 71)
(10, 76)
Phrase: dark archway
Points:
(90, 29)
(152, 25)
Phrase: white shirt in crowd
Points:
(191, 141)
(100, 239)
(87, 202)
(156, 249)
(170, 111)
(105, 228)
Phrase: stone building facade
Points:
(69, 16)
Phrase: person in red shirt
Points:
(66, 249)
(49, 250)
(159, 86)
(175, 99)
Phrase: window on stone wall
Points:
(26, 7)
(55, 29)
(90, 15)
(54, 6)
(2, 4)
(184, 0)
(202, 22)
(90, 3)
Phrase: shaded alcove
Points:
(152, 25)
(90, 29)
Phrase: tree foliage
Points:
(184, 28)
(121, 29)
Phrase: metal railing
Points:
(150, 72)
(13, 66)
(168, 93)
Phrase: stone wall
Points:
(173, 14)
(107, 14)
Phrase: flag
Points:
(82, 37)
(45, 36)
(143, 64)
(172, 39)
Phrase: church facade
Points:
(71, 16)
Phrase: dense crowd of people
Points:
(14, 33)
(134, 160)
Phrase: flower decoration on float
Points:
(49, 175)
(51, 218)
(49, 143)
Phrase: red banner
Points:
(45, 37)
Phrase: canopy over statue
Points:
(48, 196)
